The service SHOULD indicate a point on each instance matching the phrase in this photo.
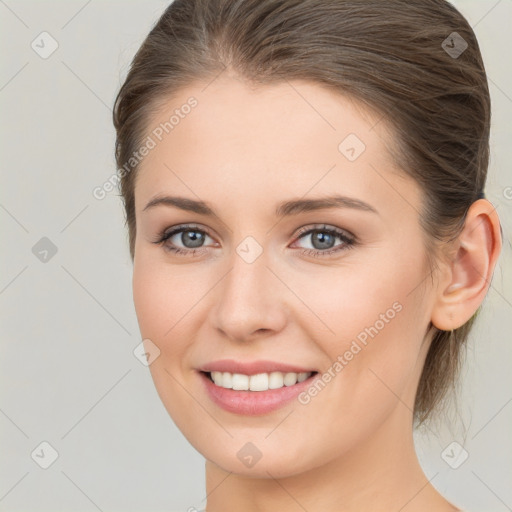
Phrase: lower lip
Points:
(252, 403)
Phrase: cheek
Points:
(355, 300)
(147, 297)
(378, 317)
(169, 304)
(160, 298)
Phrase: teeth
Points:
(258, 382)
(276, 380)
(240, 382)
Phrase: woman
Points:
(303, 183)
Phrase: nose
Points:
(250, 300)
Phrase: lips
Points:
(253, 367)
(251, 403)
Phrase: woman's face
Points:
(253, 282)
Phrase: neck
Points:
(383, 474)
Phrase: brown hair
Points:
(393, 56)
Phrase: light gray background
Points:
(68, 373)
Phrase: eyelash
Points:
(348, 241)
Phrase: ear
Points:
(466, 278)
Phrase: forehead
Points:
(291, 136)
(230, 110)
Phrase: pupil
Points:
(193, 237)
(325, 240)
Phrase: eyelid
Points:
(348, 239)
(343, 233)
(168, 232)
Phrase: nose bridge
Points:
(249, 299)
(248, 273)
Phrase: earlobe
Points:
(467, 277)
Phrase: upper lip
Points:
(252, 367)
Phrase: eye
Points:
(190, 240)
(323, 240)
(190, 237)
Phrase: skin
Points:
(243, 150)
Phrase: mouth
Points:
(256, 394)
(258, 382)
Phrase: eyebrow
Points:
(284, 209)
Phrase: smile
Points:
(258, 382)
(255, 394)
